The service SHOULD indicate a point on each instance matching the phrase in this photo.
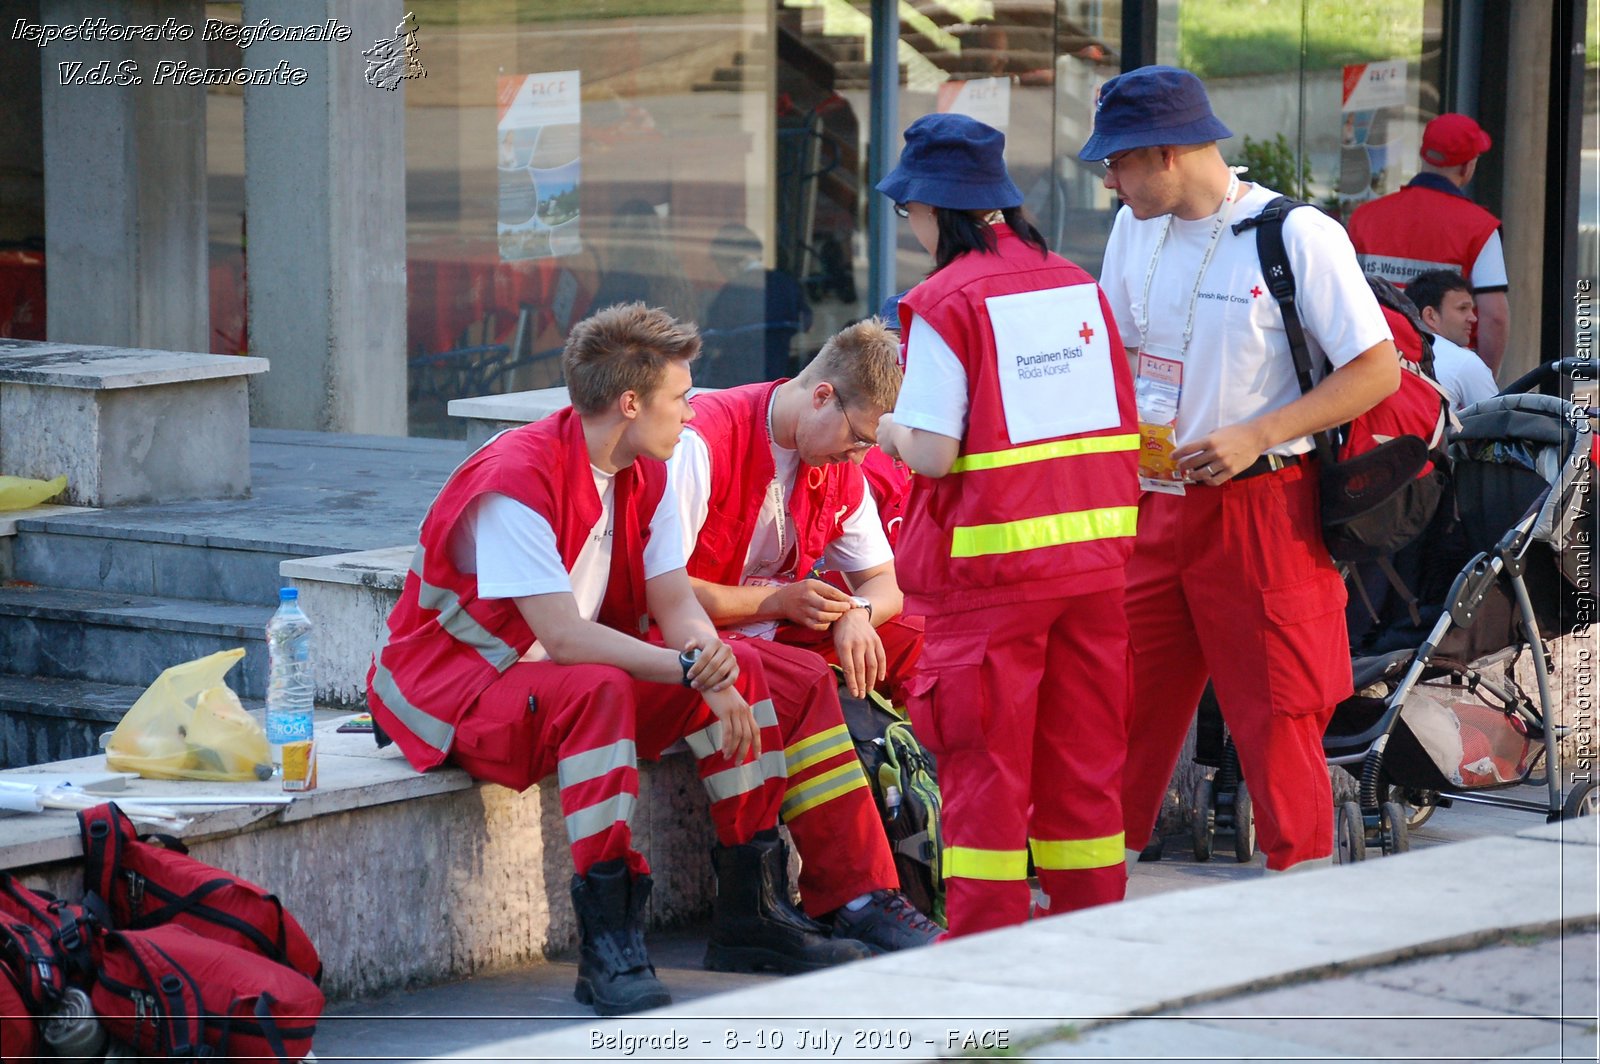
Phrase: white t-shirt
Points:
(1238, 364)
(1489, 268)
(933, 395)
(1462, 374)
(514, 553)
(861, 545)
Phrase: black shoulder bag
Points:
(1378, 501)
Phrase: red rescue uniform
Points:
(1016, 558)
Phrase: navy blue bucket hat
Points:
(1149, 106)
(952, 161)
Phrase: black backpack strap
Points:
(1280, 282)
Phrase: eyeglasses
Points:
(858, 441)
(903, 210)
(1113, 161)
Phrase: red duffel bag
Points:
(167, 991)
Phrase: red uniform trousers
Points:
(1234, 583)
(902, 645)
(1024, 704)
(589, 725)
(828, 805)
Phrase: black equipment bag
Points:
(891, 755)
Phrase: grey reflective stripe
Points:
(592, 764)
(462, 626)
(599, 817)
(430, 729)
(708, 740)
(747, 777)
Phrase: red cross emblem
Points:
(1255, 290)
(1086, 332)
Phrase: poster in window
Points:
(539, 165)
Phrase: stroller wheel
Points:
(1204, 819)
(1418, 815)
(1582, 801)
(1392, 822)
(1244, 825)
(1352, 834)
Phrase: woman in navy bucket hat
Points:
(1017, 413)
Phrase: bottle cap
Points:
(288, 594)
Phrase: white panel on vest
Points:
(1054, 361)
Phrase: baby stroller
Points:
(1445, 719)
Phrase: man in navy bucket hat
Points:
(1229, 580)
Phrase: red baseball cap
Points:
(1453, 139)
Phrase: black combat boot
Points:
(755, 926)
(614, 971)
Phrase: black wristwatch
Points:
(687, 658)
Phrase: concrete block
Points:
(128, 426)
(488, 414)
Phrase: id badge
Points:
(1157, 389)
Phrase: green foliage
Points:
(1271, 163)
(1228, 38)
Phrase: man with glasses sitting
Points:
(771, 493)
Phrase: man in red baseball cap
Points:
(1430, 224)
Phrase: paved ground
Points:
(1486, 1003)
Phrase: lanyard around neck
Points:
(1224, 212)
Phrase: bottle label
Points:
(288, 728)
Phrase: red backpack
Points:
(167, 991)
(51, 931)
(19, 1031)
(145, 885)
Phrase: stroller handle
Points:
(1578, 369)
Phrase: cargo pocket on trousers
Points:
(1307, 649)
(498, 737)
(947, 705)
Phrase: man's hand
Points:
(1216, 458)
(740, 735)
(811, 603)
(860, 652)
(717, 668)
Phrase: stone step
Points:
(141, 562)
(110, 637)
(50, 719)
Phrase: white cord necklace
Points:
(1224, 212)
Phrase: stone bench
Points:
(399, 877)
(126, 425)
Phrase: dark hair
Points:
(1429, 289)
(964, 231)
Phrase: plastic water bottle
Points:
(289, 693)
(891, 802)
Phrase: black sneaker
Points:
(887, 922)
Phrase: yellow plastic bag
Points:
(189, 726)
(19, 493)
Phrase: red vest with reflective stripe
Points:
(1091, 487)
(733, 423)
(1418, 229)
(445, 644)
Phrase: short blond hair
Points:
(625, 347)
(860, 360)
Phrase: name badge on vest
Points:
(1157, 389)
(1054, 360)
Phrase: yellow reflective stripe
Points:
(967, 862)
(819, 747)
(1043, 452)
(824, 788)
(1052, 530)
(1067, 854)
